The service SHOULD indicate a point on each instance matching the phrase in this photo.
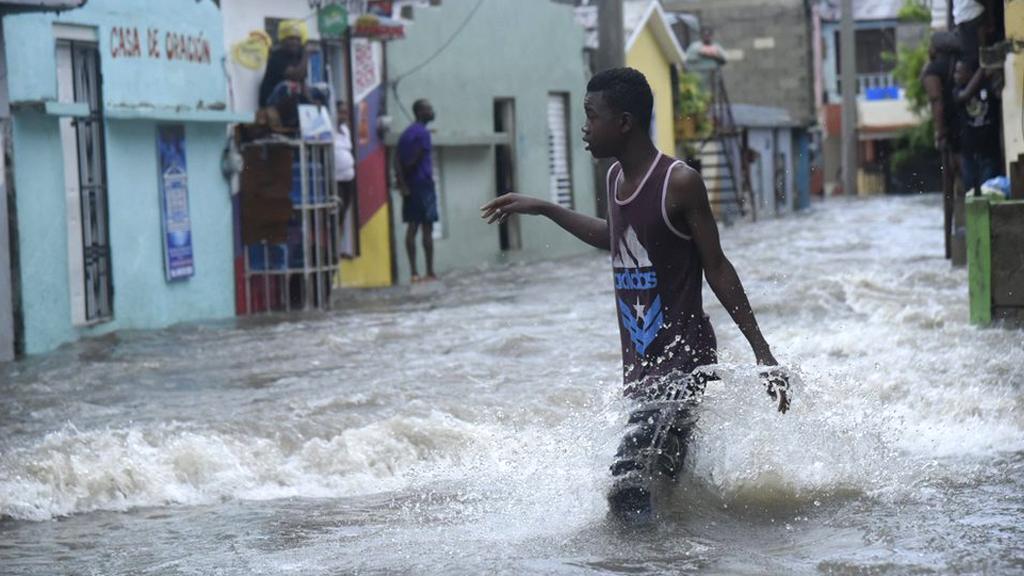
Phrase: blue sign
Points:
(177, 225)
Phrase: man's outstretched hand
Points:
(500, 208)
(776, 381)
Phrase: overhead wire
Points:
(394, 83)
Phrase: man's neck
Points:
(637, 158)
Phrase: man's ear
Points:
(626, 122)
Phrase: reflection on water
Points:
(469, 430)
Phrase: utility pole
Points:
(848, 63)
(611, 53)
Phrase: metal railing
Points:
(308, 263)
(732, 187)
(881, 80)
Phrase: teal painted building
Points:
(507, 88)
(114, 231)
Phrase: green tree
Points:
(910, 61)
(915, 11)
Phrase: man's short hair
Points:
(419, 106)
(626, 90)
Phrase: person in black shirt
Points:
(286, 59)
(937, 80)
(976, 105)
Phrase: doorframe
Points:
(509, 232)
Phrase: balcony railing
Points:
(882, 80)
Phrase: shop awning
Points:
(176, 114)
(81, 110)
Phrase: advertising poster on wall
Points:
(177, 225)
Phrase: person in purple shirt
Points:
(414, 169)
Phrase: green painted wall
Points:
(522, 50)
(143, 298)
(979, 261)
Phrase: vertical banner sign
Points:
(177, 226)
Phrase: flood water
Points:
(469, 430)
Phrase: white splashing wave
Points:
(844, 435)
(72, 471)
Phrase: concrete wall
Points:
(767, 43)
(128, 80)
(647, 57)
(142, 296)
(522, 50)
(1013, 94)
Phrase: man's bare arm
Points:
(972, 88)
(687, 201)
(933, 88)
(593, 231)
(400, 173)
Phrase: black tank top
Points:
(658, 278)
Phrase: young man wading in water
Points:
(663, 239)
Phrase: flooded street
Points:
(469, 431)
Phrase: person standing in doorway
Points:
(664, 241)
(344, 165)
(415, 173)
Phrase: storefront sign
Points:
(332, 21)
(126, 42)
(367, 67)
(315, 123)
(377, 28)
(379, 7)
(177, 224)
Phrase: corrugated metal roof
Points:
(753, 116)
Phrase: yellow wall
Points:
(647, 57)
(1013, 94)
(370, 271)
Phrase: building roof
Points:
(753, 116)
(865, 9)
(10, 6)
(637, 14)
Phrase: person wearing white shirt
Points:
(967, 17)
(344, 162)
